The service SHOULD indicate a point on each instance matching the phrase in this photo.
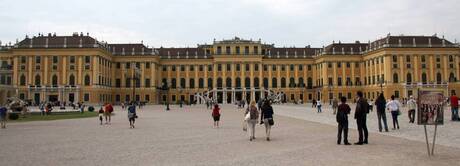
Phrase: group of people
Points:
(361, 111)
(262, 109)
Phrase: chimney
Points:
(429, 42)
(31, 42)
(81, 43)
(65, 42)
(413, 42)
(46, 42)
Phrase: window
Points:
(87, 80)
(128, 65)
(423, 58)
(291, 67)
(127, 82)
(339, 81)
(309, 67)
(283, 67)
(274, 83)
(452, 77)
(191, 68)
(238, 82)
(147, 65)
(309, 83)
(348, 64)
(200, 83)
(173, 68)
(395, 58)
(55, 59)
(228, 82)
(37, 80)
(118, 65)
(23, 59)
(256, 67)
(301, 84)
(265, 67)
(237, 50)
(182, 83)
(256, 50)
(72, 80)
(438, 59)
(395, 65)
(72, 59)
(210, 83)
(451, 59)
(408, 65)
(265, 80)
(423, 66)
(173, 83)
(182, 68)
(329, 81)
(209, 67)
(256, 82)
(300, 67)
(219, 67)
(227, 50)
(117, 83)
(356, 64)
(22, 80)
(37, 59)
(273, 67)
(247, 67)
(283, 82)
(395, 78)
(200, 67)
(246, 50)
(229, 67)
(147, 83)
(291, 82)
(86, 97)
(424, 79)
(164, 68)
(407, 58)
(191, 83)
(409, 78)
(247, 82)
(438, 78)
(219, 82)
(329, 65)
(339, 64)
(238, 67)
(87, 59)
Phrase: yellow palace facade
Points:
(80, 68)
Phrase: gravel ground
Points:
(186, 137)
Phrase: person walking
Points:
(3, 116)
(394, 105)
(335, 104)
(251, 116)
(216, 115)
(108, 113)
(132, 115)
(362, 108)
(101, 114)
(267, 118)
(342, 120)
(381, 103)
(411, 105)
(454, 107)
(318, 106)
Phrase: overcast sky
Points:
(180, 23)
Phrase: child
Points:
(342, 120)
(101, 113)
(216, 115)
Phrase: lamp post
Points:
(135, 77)
(330, 96)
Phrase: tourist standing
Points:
(3, 116)
(252, 120)
(411, 104)
(101, 114)
(216, 115)
(318, 106)
(335, 104)
(108, 113)
(362, 108)
(381, 103)
(393, 105)
(267, 118)
(313, 103)
(132, 115)
(454, 107)
(342, 120)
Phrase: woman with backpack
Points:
(216, 115)
(132, 115)
(267, 117)
(251, 116)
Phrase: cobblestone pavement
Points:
(447, 134)
(185, 136)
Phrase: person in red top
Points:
(454, 107)
(108, 113)
(216, 115)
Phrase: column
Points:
(415, 75)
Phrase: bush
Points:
(90, 108)
(13, 116)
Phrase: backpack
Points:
(253, 112)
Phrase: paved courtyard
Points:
(185, 136)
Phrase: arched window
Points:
(22, 80)
(395, 78)
(182, 83)
(37, 80)
(54, 80)
(173, 83)
(256, 82)
(191, 83)
(210, 83)
(424, 79)
(452, 77)
(228, 82)
(283, 82)
(164, 83)
(438, 78)
(238, 82)
(200, 83)
(128, 82)
(87, 80)
(409, 78)
(291, 82)
(247, 82)
(274, 83)
(301, 84)
(309, 82)
(72, 80)
(219, 82)
(266, 83)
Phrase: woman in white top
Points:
(394, 105)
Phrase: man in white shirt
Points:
(394, 105)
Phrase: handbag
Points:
(271, 122)
(247, 116)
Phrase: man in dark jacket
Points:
(362, 108)
(381, 116)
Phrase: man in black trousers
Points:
(362, 108)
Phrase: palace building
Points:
(80, 68)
